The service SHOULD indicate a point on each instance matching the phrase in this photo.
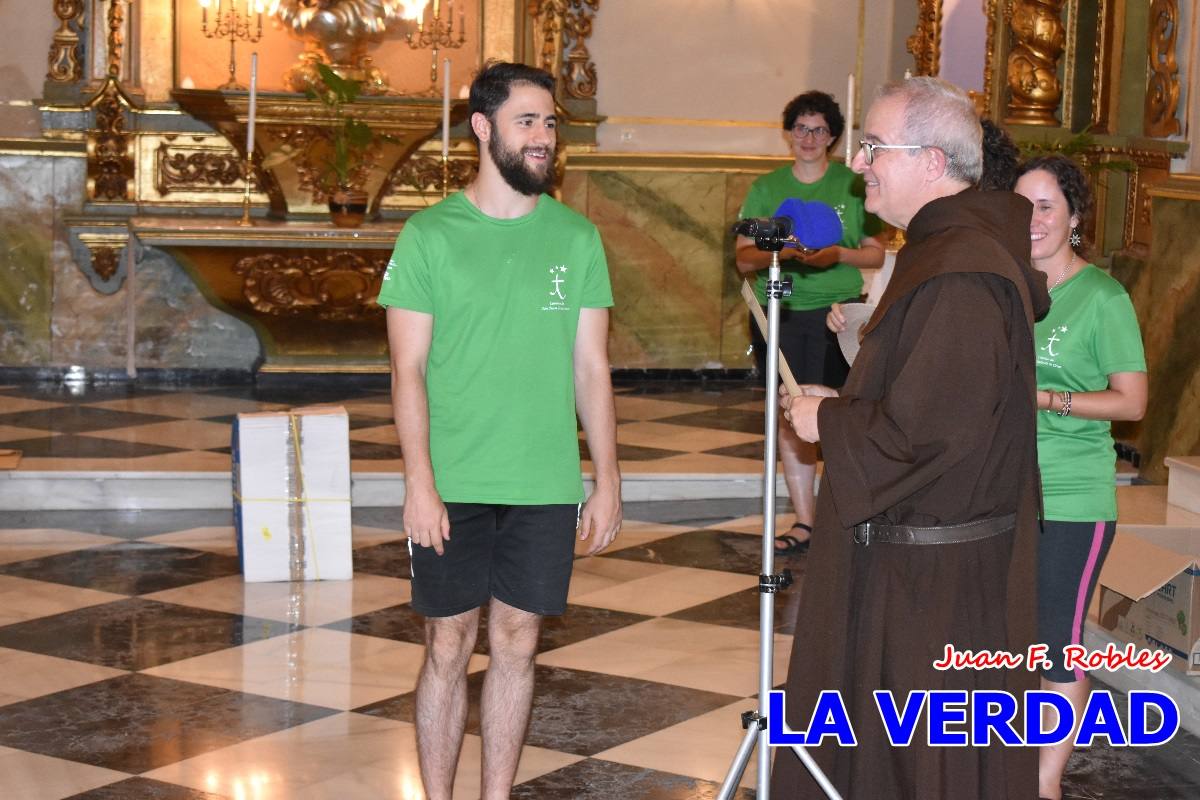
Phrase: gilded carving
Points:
(342, 31)
(66, 49)
(989, 55)
(105, 261)
(1162, 90)
(424, 173)
(926, 44)
(338, 285)
(182, 169)
(565, 26)
(1033, 63)
(110, 149)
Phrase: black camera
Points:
(769, 233)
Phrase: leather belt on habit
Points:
(868, 532)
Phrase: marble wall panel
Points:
(664, 233)
(735, 320)
(1166, 294)
(32, 193)
(175, 326)
(50, 316)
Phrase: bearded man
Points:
(497, 312)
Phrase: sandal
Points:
(792, 544)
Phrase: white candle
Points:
(445, 108)
(253, 105)
(849, 118)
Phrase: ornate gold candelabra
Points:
(438, 34)
(233, 25)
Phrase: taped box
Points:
(1150, 590)
(291, 494)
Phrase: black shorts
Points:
(521, 555)
(1070, 555)
(811, 349)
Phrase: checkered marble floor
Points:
(135, 663)
(138, 664)
(663, 427)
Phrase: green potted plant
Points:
(348, 155)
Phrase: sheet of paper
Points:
(856, 315)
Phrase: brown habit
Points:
(935, 426)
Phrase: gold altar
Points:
(306, 288)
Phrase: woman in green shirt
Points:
(1090, 371)
(812, 125)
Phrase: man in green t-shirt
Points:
(497, 310)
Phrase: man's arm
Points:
(410, 334)
(601, 516)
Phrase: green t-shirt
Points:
(505, 296)
(839, 188)
(1090, 333)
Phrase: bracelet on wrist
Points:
(1065, 411)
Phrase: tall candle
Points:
(253, 105)
(445, 108)
(849, 118)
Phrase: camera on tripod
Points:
(769, 233)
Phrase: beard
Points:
(512, 167)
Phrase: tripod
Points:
(755, 722)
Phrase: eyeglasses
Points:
(803, 131)
(869, 148)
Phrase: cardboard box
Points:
(291, 494)
(1150, 589)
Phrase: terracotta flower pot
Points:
(348, 208)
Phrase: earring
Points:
(1075, 239)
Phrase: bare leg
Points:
(799, 470)
(507, 694)
(441, 701)
(1052, 760)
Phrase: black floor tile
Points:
(721, 419)
(389, 559)
(332, 392)
(137, 723)
(740, 610)
(754, 451)
(136, 634)
(127, 568)
(144, 789)
(584, 712)
(401, 623)
(703, 549)
(89, 447)
(371, 451)
(632, 452)
(79, 419)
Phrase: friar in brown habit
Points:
(927, 516)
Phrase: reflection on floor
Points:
(136, 663)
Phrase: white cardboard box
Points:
(291, 494)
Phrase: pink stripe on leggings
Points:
(1082, 596)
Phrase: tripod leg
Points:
(729, 785)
